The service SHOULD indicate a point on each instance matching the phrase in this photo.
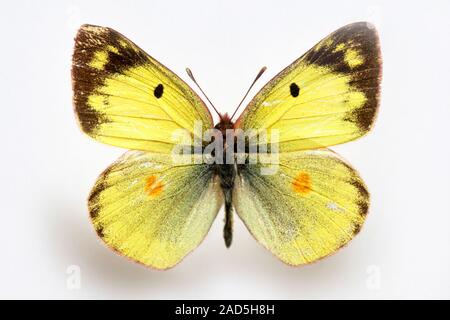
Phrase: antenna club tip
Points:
(260, 73)
(190, 74)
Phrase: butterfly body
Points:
(298, 198)
(227, 173)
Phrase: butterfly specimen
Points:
(155, 210)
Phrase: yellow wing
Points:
(124, 97)
(326, 97)
(152, 211)
(313, 205)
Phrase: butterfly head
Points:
(224, 123)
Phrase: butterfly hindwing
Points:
(124, 97)
(313, 205)
(328, 96)
(153, 211)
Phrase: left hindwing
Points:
(326, 97)
(152, 210)
(313, 205)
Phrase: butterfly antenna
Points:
(191, 75)
(260, 73)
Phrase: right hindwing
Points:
(313, 205)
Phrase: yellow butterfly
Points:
(155, 210)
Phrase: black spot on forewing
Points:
(158, 92)
(365, 77)
(295, 90)
(121, 54)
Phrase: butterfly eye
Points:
(295, 89)
(158, 92)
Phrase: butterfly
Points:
(155, 210)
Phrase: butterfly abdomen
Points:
(227, 173)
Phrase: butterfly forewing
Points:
(328, 96)
(124, 97)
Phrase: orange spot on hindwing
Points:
(153, 187)
(302, 184)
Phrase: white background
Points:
(48, 166)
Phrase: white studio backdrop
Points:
(49, 248)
